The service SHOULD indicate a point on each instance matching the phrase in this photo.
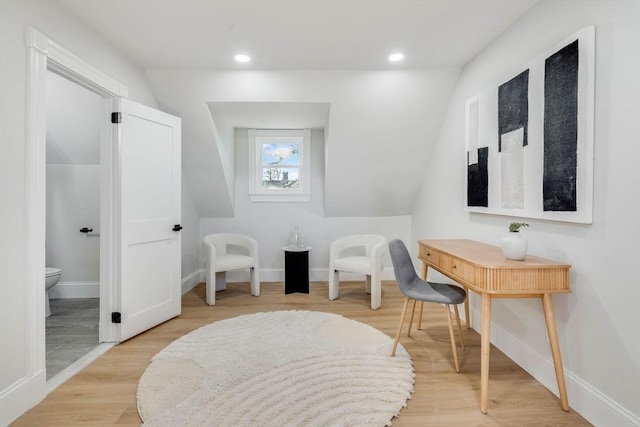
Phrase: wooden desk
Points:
(483, 269)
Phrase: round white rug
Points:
(282, 368)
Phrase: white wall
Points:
(597, 322)
(21, 372)
(190, 241)
(73, 202)
(271, 223)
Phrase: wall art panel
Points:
(529, 138)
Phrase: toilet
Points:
(51, 277)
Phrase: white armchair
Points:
(219, 261)
(369, 264)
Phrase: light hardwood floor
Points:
(104, 393)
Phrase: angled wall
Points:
(382, 123)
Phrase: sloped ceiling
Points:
(382, 119)
(73, 123)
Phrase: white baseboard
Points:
(75, 290)
(592, 404)
(14, 402)
(192, 279)
(21, 396)
(92, 289)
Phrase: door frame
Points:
(44, 55)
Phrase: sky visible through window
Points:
(279, 165)
(280, 153)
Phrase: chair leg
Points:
(413, 311)
(455, 308)
(368, 284)
(404, 311)
(420, 318)
(333, 284)
(210, 290)
(255, 282)
(452, 337)
(221, 281)
(376, 292)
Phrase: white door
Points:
(150, 288)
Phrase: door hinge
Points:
(116, 317)
(116, 117)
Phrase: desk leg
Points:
(467, 318)
(485, 346)
(550, 318)
(425, 267)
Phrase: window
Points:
(279, 165)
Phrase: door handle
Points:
(86, 230)
(177, 227)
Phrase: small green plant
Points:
(514, 227)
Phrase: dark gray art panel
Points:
(513, 106)
(560, 130)
(478, 179)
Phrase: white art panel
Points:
(512, 169)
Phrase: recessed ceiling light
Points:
(395, 57)
(242, 58)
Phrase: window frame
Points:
(257, 193)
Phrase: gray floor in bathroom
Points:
(72, 331)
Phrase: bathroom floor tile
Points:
(71, 331)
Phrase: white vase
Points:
(514, 246)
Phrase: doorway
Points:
(45, 56)
(72, 245)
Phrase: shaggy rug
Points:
(282, 368)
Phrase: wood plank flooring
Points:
(104, 393)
